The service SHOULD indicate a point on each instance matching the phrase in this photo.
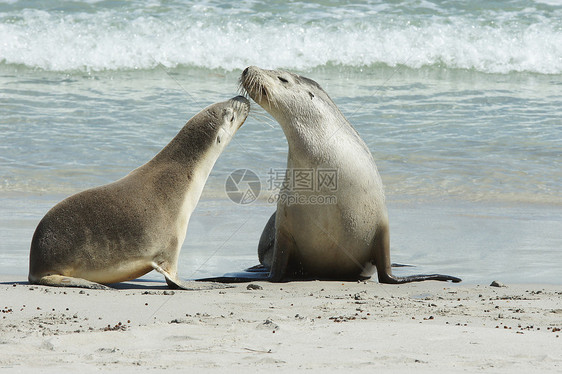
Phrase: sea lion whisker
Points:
(263, 119)
(242, 90)
(261, 116)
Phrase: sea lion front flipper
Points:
(425, 277)
(266, 245)
(258, 269)
(395, 265)
(175, 283)
(57, 280)
(284, 247)
(242, 277)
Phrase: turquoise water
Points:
(461, 105)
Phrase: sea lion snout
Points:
(240, 107)
(240, 102)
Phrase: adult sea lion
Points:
(338, 228)
(125, 229)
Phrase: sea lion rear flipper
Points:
(391, 279)
(175, 283)
(196, 285)
(381, 257)
(57, 280)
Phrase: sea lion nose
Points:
(241, 100)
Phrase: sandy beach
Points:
(459, 103)
(304, 326)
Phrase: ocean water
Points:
(459, 102)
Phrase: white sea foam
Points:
(550, 2)
(111, 40)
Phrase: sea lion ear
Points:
(311, 95)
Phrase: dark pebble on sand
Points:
(497, 284)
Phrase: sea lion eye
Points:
(218, 139)
(283, 80)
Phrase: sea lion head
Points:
(288, 97)
(210, 130)
(221, 121)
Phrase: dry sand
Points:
(315, 327)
